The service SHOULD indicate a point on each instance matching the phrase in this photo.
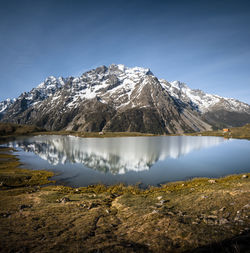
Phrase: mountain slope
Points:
(217, 111)
(118, 98)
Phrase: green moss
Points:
(12, 176)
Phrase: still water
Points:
(147, 160)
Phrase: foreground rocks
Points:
(191, 216)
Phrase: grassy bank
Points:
(8, 131)
(94, 134)
(235, 132)
(197, 215)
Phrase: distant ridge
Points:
(118, 98)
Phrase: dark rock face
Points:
(117, 98)
(137, 120)
(223, 118)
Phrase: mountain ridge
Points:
(118, 98)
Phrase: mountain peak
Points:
(179, 85)
(134, 70)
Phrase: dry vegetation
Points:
(235, 132)
(199, 215)
(10, 131)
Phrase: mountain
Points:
(117, 98)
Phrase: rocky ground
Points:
(201, 215)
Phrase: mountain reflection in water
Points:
(113, 155)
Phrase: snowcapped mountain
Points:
(118, 98)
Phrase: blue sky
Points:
(205, 44)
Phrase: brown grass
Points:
(176, 217)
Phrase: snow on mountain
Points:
(114, 93)
(5, 104)
(202, 101)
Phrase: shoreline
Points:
(112, 135)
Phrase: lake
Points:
(130, 160)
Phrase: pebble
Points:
(246, 206)
(211, 181)
(159, 197)
(208, 221)
(163, 201)
(63, 200)
(92, 205)
(223, 221)
(244, 176)
(25, 206)
(204, 197)
(222, 209)
(213, 217)
(170, 213)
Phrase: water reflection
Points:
(113, 155)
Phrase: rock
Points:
(208, 221)
(170, 213)
(223, 221)
(204, 197)
(159, 197)
(64, 200)
(162, 202)
(5, 215)
(213, 217)
(77, 190)
(92, 205)
(195, 223)
(211, 181)
(25, 206)
(244, 176)
(226, 215)
(222, 209)
(246, 206)
(154, 211)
